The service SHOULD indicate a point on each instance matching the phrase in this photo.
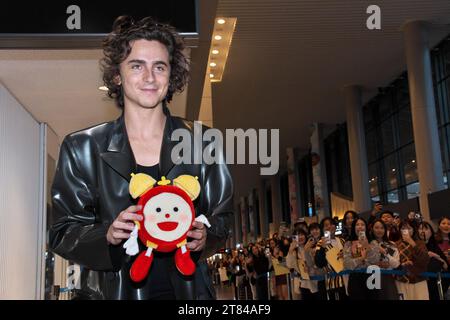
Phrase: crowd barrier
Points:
(438, 275)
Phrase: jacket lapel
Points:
(119, 155)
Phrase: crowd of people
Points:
(319, 263)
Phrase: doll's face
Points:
(167, 216)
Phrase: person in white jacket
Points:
(300, 259)
(389, 258)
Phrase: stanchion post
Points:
(439, 284)
(268, 286)
(289, 285)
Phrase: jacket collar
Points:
(119, 155)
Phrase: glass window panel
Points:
(438, 94)
(391, 170)
(409, 163)
(401, 93)
(413, 190)
(444, 140)
(387, 136)
(392, 196)
(447, 59)
(405, 127)
(373, 180)
(385, 106)
(446, 101)
(368, 117)
(371, 147)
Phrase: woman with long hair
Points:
(438, 261)
(414, 261)
(389, 259)
(358, 255)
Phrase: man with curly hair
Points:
(93, 213)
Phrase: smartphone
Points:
(327, 235)
(362, 236)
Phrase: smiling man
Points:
(93, 213)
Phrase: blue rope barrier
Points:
(382, 271)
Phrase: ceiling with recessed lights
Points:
(289, 60)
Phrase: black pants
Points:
(388, 290)
(261, 287)
(307, 294)
(357, 287)
(321, 294)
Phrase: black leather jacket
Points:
(91, 188)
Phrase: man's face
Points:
(145, 74)
(387, 219)
(378, 207)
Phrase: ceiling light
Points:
(218, 37)
(215, 51)
(103, 88)
(213, 64)
(221, 21)
(211, 75)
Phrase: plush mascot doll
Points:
(168, 214)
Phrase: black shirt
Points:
(158, 280)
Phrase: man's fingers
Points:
(128, 216)
(193, 245)
(123, 226)
(120, 235)
(196, 234)
(133, 209)
(198, 225)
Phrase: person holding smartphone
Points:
(358, 254)
(334, 284)
(304, 264)
(438, 260)
(311, 248)
(389, 258)
(414, 260)
(442, 236)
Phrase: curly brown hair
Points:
(116, 48)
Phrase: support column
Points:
(251, 216)
(237, 224)
(263, 219)
(244, 220)
(292, 182)
(423, 110)
(357, 148)
(276, 202)
(319, 172)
